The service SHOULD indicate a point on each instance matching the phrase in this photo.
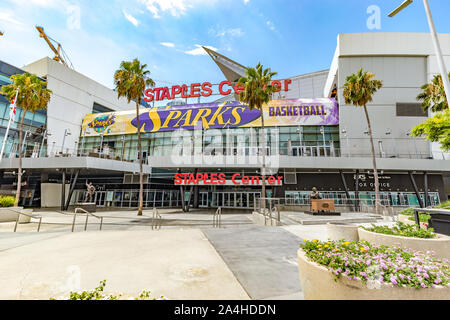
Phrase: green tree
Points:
(433, 95)
(256, 93)
(32, 96)
(435, 129)
(131, 81)
(358, 90)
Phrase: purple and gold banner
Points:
(232, 114)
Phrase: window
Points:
(410, 109)
(98, 108)
(290, 177)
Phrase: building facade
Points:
(313, 139)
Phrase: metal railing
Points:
(156, 219)
(217, 218)
(386, 211)
(31, 217)
(269, 208)
(386, 148)
(87, 217)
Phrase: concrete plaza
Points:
(185, 258)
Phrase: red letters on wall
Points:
(204, 89)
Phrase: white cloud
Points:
(74, 18)
(246, 1)
(199, 51)
(7, 17)
(270, 25)
(174, 7)
(236, 32)
(167, 44)
(130, 18)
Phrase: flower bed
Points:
(403, 230)
(438, 246)
(359, 268)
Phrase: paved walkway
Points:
(178, 264)
(186, 257)
(263, 259)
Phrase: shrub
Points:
(404, 230)
(6, 201)
(444, 205)
(375, 265)
(98, 294)
(407, 212)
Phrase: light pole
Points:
(123, 148)
(394, 147)
(322, 131)
(101, 143)
(344, 131)
(66, 133)
(45, 136)
(437, 47)
(23, 142)
(415, 144)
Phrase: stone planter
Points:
(317, 284)
(9, 214)
(440, 245)
(339, 230)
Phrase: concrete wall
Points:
(306, 86)
(404, 61)
(73, 98)
(402, 78)
(51, 194)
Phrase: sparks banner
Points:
(231, 114)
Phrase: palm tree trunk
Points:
(141, 178)
(19, 173)
(375, 173)
(263, 168)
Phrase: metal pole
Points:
(101, 143)
(322, 130)
(416, 190)
(425, 186)
(23, 143)
(357, 191)
(42, 143)
(63, 189)
(123, 148)
(72, 187)
(438, 50)
(348, 145)
(64, 140)
(394, 147)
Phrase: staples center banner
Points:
(231, 114)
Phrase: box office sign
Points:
(231, 114)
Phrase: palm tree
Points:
(433, 95)
(257, 92)
(31, 96)
(131, 80)
(358, 90)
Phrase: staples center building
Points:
(313, 139)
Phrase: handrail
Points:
(156, 219)
(217, 218)
(429, 211)
(87, 217)
(28, 215)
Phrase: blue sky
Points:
(292, 37)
